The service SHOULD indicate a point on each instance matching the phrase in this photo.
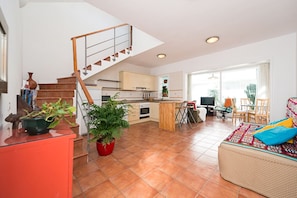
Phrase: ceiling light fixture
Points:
(212, 77)
(161, 56)
(212, 39)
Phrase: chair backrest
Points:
(228, 102)
(244, 104)
(262, 106)
(233, 105)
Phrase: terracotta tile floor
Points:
(149, 162)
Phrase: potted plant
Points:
(47, 117)
(106, 123)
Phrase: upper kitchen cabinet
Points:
(134, 81)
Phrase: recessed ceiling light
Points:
(212, 39)
(161, 55)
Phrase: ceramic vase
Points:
(31, 83)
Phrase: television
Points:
(208, 101)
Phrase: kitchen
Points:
(142, 92)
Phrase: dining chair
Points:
(239, 114)
(245, 104)
(260, 114)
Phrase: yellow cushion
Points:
(286, 123)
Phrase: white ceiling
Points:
(183, 25)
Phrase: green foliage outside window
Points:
(251, 92)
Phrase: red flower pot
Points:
(104, 150)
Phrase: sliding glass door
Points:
(252, 82)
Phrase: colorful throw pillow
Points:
(278, 121)
(276, 135)
(288, 122)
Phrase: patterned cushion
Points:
(292, 110)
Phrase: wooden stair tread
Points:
(52, 97)
(53, 90)
(62, 83)
(63, 89)
(69, 77)
(79, 153)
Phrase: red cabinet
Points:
(36, 166)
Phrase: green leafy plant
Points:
(52, 112)
(107, 122)
(251, 92)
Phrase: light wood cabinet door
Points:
(134, 81)
(133, 112)
(128, 80)
(154, 111)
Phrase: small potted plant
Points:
(106, 123)
(47, 117)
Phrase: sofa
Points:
(261, 157)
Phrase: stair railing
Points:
(83, 102)
(92, 48)
(89, 49)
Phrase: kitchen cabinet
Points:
(154, 111)
(36, 166)
(149, 82)
(134, 81)
(133, 112)
(128, 81)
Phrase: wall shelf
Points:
(106, 80)
(109, 84)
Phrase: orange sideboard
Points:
(36, 166)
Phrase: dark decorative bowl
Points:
(35, 126)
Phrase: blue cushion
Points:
(277, 135)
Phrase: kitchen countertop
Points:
(145, 101)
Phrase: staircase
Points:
(64, 89)
(101, 49)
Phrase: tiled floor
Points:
(149, 162)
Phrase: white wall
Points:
(11, 12)
(112, 73)
(47, 32)
(280, 52)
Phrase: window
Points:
(233, 83)
(3, 54)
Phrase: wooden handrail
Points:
(84, 88)
(74, 55)
(103, 30)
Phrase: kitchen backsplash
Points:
(131, 95)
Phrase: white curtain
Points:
(189, 94)
(263, 90)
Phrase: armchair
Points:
(227, 108)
